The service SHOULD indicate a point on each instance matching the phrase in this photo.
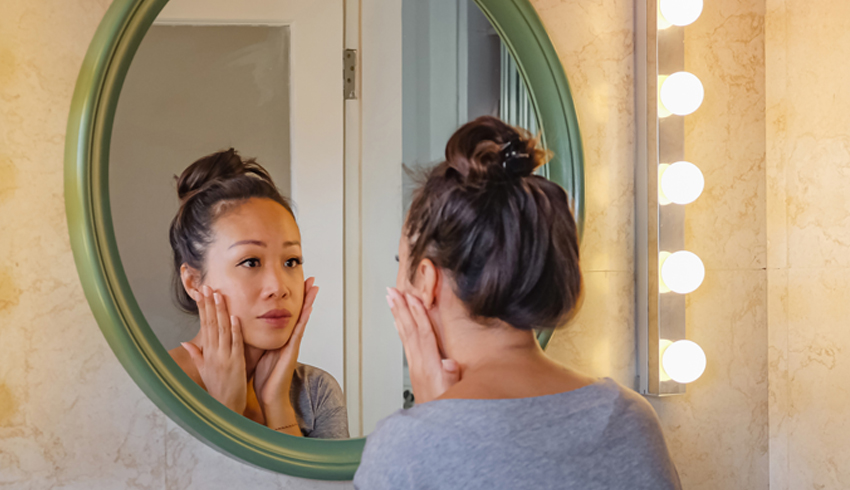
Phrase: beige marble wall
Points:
(808, 229)
(595, 41)
(718, 432)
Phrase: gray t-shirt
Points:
(319, 404)
(601, 436)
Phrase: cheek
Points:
(237, 293)
(399, 279)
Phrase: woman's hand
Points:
(273, 375)
(430, 375)
(220, 358)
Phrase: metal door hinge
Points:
(349, 75)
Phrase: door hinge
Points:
(349, 75)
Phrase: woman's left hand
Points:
(430, 374)
(273, 375)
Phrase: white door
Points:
(374, 353)
(316, 134)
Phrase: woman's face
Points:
(255, 262)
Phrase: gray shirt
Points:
(319, 404)
(601, 436)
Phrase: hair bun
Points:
(216, 167)
(487, 149)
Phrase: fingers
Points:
(451, 370)
(310, 293)
(236, 329)
(225, 337)
(424, 329)
(200, 300)
(401, 313)
(209, 322)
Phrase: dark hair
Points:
(207, 189)
(507, 237)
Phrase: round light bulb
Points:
(680, 12)
(681, 182)
(681, 93)
(682, 272)
(683, 361)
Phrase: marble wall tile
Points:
(815, 144)
(776, 124)
(600, 340)
(718, 432)
(595, 42)
(808, 222)
(818, 369)
(70, 416)
(725, 137)
(192, 464)
(779, 400)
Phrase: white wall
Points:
(191, 91)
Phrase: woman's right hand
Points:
(220, 358)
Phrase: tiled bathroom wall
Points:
(808, 232)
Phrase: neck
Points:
(252, 357)
(476, 346)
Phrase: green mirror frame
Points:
(106, 287)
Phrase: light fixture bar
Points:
(659, 228)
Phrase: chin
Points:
(268, 340)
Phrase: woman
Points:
(237, 265)
(488, 252)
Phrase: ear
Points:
(191, 279)
(427, 283)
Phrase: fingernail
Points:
(184, 345)
(217, 298)
(390, 302)
(233, 320)
(207, 291)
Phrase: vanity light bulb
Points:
(681, 93)
(680, 12)
(682, 272)
(681, 182)
(683, 361)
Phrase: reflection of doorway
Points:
(262, 76)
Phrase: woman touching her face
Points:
(489, 253)
(238, 266)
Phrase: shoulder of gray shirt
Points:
(319, 403)
(605, 414)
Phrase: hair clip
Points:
(510, 152)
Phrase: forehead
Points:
(257, 219)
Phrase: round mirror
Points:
(339, 130)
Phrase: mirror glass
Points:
(209, 76)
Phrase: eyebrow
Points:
(263, 244)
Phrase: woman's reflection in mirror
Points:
(238, 266)
(489, 251)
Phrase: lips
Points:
(276, 318)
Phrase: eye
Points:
(250, 263)
(294, 262)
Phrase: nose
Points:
(274, 283)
